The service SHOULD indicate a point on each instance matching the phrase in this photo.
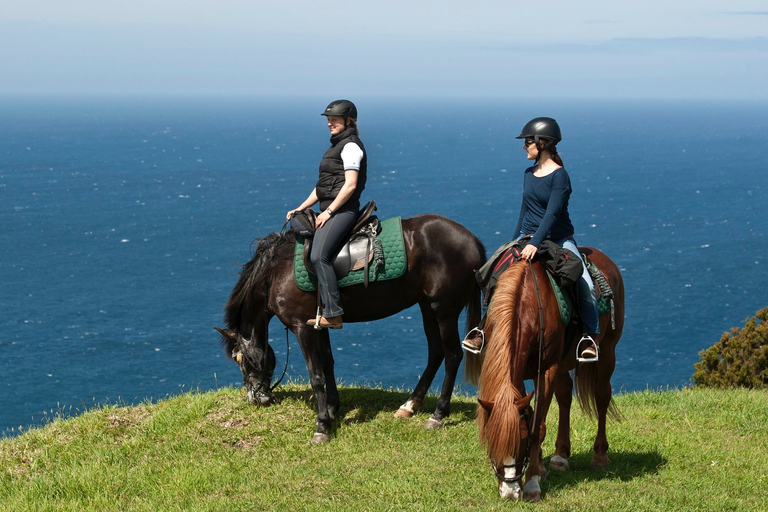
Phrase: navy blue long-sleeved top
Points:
(544, 212)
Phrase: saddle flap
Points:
(354, 253)
(353, 256)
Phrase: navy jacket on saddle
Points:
(332, 172)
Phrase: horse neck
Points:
(251, 292)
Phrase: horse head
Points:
(511, 468)
(256, 360)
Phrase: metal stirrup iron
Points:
(469, 336)
(588, 339)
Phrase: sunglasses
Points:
(528, 142)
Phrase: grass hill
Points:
(691, 449)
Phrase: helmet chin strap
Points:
(546, 146)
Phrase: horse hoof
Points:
(532, 490)
(319, 439)
(432, 424)
(402, 412)
(532, 497)
(559, 463)
(408, 409)
(596, 466)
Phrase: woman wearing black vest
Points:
(342, 180)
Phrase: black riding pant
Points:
(325, 245)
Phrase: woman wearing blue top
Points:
(544, 214)
(338, 189)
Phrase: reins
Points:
(287, 340)
(541, 348)
(285, 368)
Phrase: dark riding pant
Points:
(325, 245)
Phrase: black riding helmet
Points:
(344, 108)
(542, 128)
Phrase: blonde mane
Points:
(499, 426)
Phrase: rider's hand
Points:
(529, 251)
(322, 219)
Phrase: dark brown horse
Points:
(528, 341)
(442, 257)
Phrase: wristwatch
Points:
(329, 212)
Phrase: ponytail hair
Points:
(553, 151)
(353, 123)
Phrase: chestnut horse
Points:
(526, 339)
(442, 257)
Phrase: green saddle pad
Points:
(565, 303)
(395, 261)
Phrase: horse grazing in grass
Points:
(526, 339)
(442, 257)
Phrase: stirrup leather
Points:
(588, 339)
(469, 336)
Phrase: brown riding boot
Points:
(333, 322)
(589, 348)
(474, 342)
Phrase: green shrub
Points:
(739, 359)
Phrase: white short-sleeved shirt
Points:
(351, 156)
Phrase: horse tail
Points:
(587, 384)
(498, 417)
(586, 392)
(473, 362)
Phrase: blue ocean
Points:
(123, 222)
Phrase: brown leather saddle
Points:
(355, 253)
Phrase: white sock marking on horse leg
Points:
(558, 462)
(408, 406)
(532, 488)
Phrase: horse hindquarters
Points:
(594, 379)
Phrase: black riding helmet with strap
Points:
(540, 128)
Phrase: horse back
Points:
(434, 239)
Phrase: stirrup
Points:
(318, 316)
(588, 339)
(470, 348)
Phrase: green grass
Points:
(674, 450)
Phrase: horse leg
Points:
(452, 353)
(536, 469)
(564, 395)
(605, 368)
(331, 391)
(434, 360)
(314, 355)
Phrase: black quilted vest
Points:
(332, 172)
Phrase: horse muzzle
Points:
(258, 393)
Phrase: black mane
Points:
(254, 274)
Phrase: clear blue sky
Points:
(506, 48)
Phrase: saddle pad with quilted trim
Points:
(566, 305)
(395, 261)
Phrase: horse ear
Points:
(488, 406)
(524, 402)
(228, 334)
